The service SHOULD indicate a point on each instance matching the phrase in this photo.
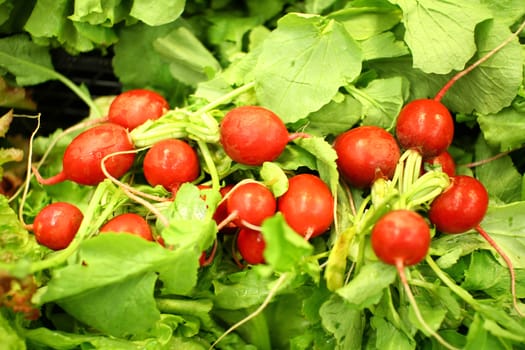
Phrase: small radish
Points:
(365, 154)
(443, 160)
(402, 238)
(251, 245)
(252, 135)
(171, 163)
(461, 208)
(248, 204)
(425, 125)
(134, 107)
(307, 205)
(129, 223)
(83, 156)
(56, 225)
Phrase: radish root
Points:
(401, 271)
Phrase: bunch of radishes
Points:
(394, 168)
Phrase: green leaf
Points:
(485, 274)
(382, 100)
(505, 130)
(95, 12)
(450, 248)
(346, 323)
(508, 11)
(440, 34)
(500, 177)
(491, 86)
(135, 49)
(28, 62)
(319, 58)
(164, 11)
(325, 156)
(383, 45)
(488, 89)
(11, 340)
(367, 288)
(285, 249)
(506, 225)
(335, 117)
(111, 259)
(241, 289)
(364, 18)
(274, 178)
(189, 60)
(57, 29)
(478, 336)
(122, 309)
(389, 337)
(191, 226)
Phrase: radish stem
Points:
(470, 68)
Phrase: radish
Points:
(426, 124)
(443, 160)
(252, 135)
(248, 204)
(134, 107)
(251, 244)
(83, 156)
(171, 163)
(307, 205)
(365, 154)
(56, 225)
(461, 208)
(129, 223)
(402, 238)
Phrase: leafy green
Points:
(324, 66)
(440, 35)
(320, 57)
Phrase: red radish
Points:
(365, 154)
(307, 205)
(129, 223)
(445, 161)
(171, 163)
(83, 156)
(249, 204)
(134, 107)
(402, 238)
(425, 125)
(252, 135)
(56, 225)
(251, 245)
(461, 208)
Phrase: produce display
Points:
(272, 175)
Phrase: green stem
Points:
(184, 307)
(462, 293)
(91, 219)
(212, 169)
(225, 98)
(52, 74)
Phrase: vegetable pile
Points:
(274, 175)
